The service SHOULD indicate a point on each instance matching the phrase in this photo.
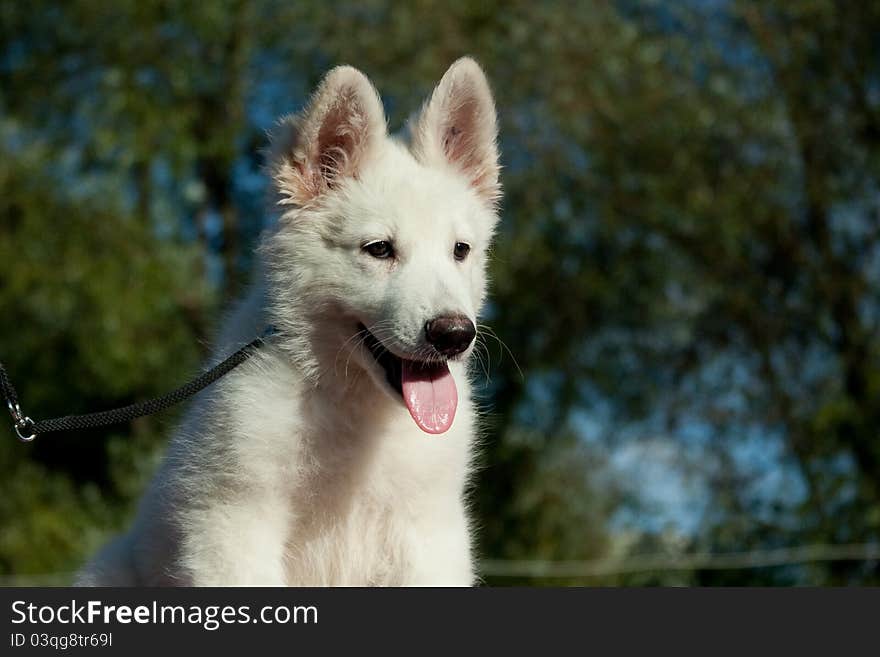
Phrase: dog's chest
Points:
(362, 545)
(364, 512)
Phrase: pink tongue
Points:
(430, 395)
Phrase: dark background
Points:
(684, 388)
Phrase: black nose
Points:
(450, 335)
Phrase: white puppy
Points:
(339, 453)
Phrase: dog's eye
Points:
(379, 249)
(461, 250)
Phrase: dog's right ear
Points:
(340, 128)
(458, 127)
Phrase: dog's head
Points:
(379, 259)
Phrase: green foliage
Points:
(90, 317)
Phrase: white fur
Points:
(302, 466)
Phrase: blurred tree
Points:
(90, 318)
(697, 188)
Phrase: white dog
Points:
(339, 453)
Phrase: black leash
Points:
(27, 429)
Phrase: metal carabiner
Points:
(23, 424)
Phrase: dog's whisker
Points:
(503, 345)
(351, 345)
(359, 334)
(351, 352)
(481, 349)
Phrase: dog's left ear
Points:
(457, 127)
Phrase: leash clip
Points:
(24, 426)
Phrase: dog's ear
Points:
(458, 127)
(341, 126)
